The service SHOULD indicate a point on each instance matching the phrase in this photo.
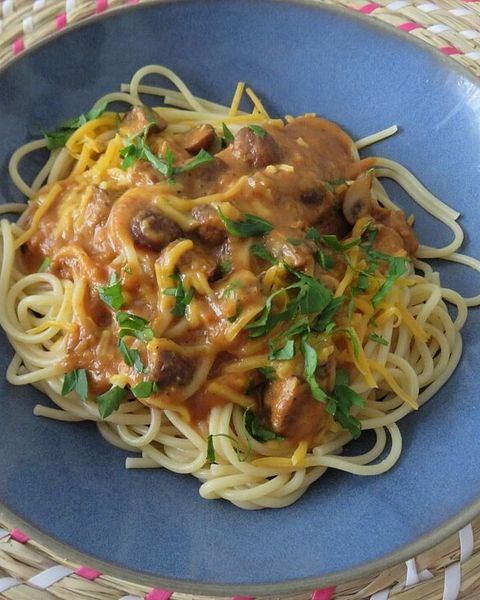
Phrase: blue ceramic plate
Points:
(65, 481)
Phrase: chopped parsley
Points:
(58, 137)
(378, 339)
(231, 287)
(45, 265)
(110, 401)
(228, 136)
(250, 226)
(311, 297)
(76, 381)
(211, 456)
(144, 389)
(134, 326)
(341, 401)
(287, 352)
(182, 298)
(131, 356)
(225, 266)
(260, 251)
(397, 266)
(112, 294)
(138, 149)
(310, 366)
(268, 373)
(258, 131)
(255, 429)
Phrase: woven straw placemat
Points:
(450, 570)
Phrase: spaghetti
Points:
(229, 295)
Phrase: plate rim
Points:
(9, 517)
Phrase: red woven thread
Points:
(19, 536)
(60, 21)
(158, 594)
(323, 594)
(18, 46)
(368, 8)
(101, 5)
(409, 26)
(450, 50)
(88, 573)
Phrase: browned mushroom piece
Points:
(138, 118)
(288, 244)
(98, 209)
(255, 150)
(151, 229)
(395, 220)
(199, 138)
(197, 260)
(387, 240)
(169, 368)
(210, 229)
(357, 201)
(291, 410)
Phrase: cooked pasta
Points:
(225, 294)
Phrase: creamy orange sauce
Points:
(87, 234)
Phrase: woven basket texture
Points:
(449, 571)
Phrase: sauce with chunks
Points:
(195, 259)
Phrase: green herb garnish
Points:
(76, 380)
(258, 131)
(378, 339)
(256, 430)
(46, 262)
(131, 356)
(341, 402)
(251, 225)
(138, 149)
(260, 251)
(225, 266)
(310, 366)
(267, 373)
(112, 293)
(59, 136)
(134, 326)
(228, 136)
(287, 352)
(110, 400)
(182, 298)
(397, 267)
(145, 389)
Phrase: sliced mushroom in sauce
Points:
(169, 368)
(152, 230)
(210, 229)
(255, 150)
(138, 118)
(199, 138)
(290, 409)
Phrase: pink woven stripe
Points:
(60, 21)
(323, 594)
(368, 8)
(101, 6)
(133, 1)
(18, 46)
(88, 573)
(409, 26)
(19, 536)
(450, 50)
(158, 594)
